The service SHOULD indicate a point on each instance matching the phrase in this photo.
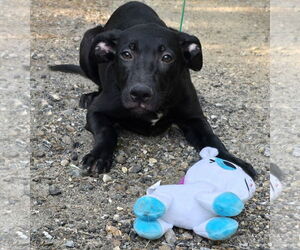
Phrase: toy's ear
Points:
(208, 152)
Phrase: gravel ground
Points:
(70, 211)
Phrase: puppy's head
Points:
(148, 61)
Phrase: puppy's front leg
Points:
(99, 160)
(199, 134)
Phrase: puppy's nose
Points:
(140, 93)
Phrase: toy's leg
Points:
(151, 230)
(218, 228)
(150, 207)
(223, 204)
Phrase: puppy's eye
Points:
(167, 58)
(126, 55)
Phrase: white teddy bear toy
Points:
(213, 190)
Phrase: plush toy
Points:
(213, 190)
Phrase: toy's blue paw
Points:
(151, 230)
(228, 204)
(148, 208)
(221, 228)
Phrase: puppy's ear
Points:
(104, 46)
(191, 51)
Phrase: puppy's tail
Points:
(67, 68)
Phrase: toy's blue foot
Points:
(228, 204)
(221, 228)
(148, 208)
(150, 230)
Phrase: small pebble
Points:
(152, 161)
(53, 190)
(70, 244)
(55, 97)
(214, 118)
(76, 38)
(186, 236)
(39, 154)
(121, 158)
(47, 235)
(113, 230)
(22, 235)
(267, 152)
(135, 169)
(296, 152)
(170, 237)
(106, 178)
(64, 162)
(116, 217)
(164, 247)
(74, 156)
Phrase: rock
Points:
(170, 237)
(267, 152)
(135, 169)
(74, 156)
(53, 190)
(67, 140)
(124, 170)
(113, 230)
(116, 217)
(76, 38)
(121, 158)
(39, 154)
(164, 247)
(214, 118)
(22, 235)
(64, 162)
(219, 105)
(152, 161)
(40, 55)
(186, 236)
(70, 128)
(55, 97)
(296, 151)
(47, 235)
(106, 178)
(70, 244)
(75, 171)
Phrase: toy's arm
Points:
(221, 203)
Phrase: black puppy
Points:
(142, 69)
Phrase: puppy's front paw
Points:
(247, 167)
(94, 165)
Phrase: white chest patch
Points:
(154, 121)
